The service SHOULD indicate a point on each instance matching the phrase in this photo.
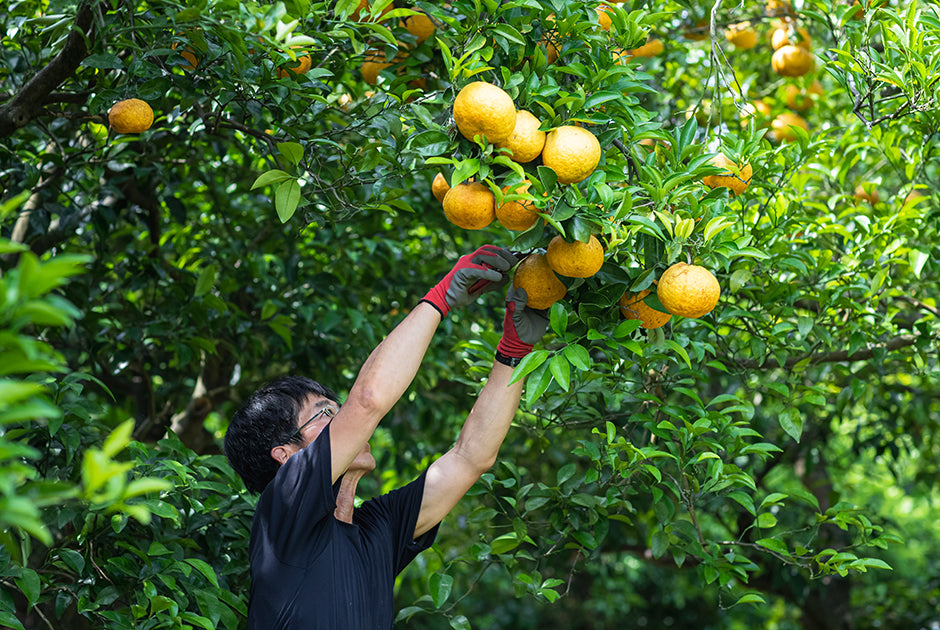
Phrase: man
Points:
(317, 561)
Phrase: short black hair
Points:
(268, 418)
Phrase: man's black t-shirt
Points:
(311, 571)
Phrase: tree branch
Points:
(27, 104)
(838, 356)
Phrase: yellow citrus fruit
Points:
(867, 192)
(471, 206)
(575, 259)
(130, 116)
(295, 68)
(782, 126)
(527, 140)
(541, 285)
(801, 100)
(520, 214)
(736, 178)
(651, 48)
(778, 7)
(483, 109)
(688, 290)
(603, 18)
(375, 62)
(439, 187)
(632, 306)
(572, 152)
(792, 61)
(741, 35)
(786, 32)
(551, 49)
(189, 54)
(421, 26)
(758, 109)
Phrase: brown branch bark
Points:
(27, 104)
(838, 356)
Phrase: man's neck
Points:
(346, 499)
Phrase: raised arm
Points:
(392, 366)
(477, 446)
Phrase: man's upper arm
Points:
(448, 479)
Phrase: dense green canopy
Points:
(770, 464)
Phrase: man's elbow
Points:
(368, 401)
(476, 463)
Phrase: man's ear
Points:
(281, 453)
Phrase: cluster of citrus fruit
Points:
(483, 111)
(793, 60)
(419, 25)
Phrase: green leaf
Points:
(561, 370)
(118, 439)
(504, 544)
(273, 176)
(9, 620)
(791, 421)
(528, 364)
(578, 356)
(205, 568)
(286, 199)
(558, 318)
(750, 598)
(440, 588)
(206, 280)
(292, 151)
(775, 545)
(30, 585)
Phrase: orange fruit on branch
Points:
(541, 285)
(572, 152)
(801, 100)
(782, 126)
(421, 26)
(471, 206)
(688, 290)
(736, 177)
(575, 259)
(439, 187)
(295, 68)
(632, 306)
(866, 191)
(483, 109)
(741, 35)
(130, 116)
(526, 141)
(792, 61)
(787, 33)
(189, 54)
(518, 214)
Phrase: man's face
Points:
(318, 412)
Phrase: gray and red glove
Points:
(522, 328)
(484, 270)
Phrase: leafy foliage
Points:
(711, 472)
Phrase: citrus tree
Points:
(727, 210)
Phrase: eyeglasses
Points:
(329, 411)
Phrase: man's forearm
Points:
(490, 419)
(392, 366)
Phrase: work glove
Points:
(522, 328)
(483, 270)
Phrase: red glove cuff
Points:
(510, 346)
